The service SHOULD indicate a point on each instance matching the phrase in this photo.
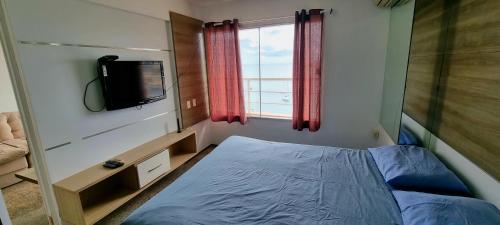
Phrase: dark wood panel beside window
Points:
(187, 35)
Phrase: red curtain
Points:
(307, 53)
(225, 84)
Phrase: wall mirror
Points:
(398, 48)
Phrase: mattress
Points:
(250, 181)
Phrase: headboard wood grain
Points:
(453, 86)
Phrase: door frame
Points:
(38, 154)
(4, 214)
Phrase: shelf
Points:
(92, 175)
(108, 204)
(178, 160)
(115, 199)
(90, 195)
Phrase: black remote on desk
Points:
(112, 164)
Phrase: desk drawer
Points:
(153, 167)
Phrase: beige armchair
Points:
(14, 152)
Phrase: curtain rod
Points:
(331, 11)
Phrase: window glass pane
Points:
(276, 58)
(253, 109)
(276, 51)
(273, 110)
(253, 84)
(277, 84)
(249, 51)
(267, 56)
(276, 98)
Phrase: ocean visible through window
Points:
(267, 56)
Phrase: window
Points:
(266, 57)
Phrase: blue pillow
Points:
(430, 209)
(407, 137)
(407, 167)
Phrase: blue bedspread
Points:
(250, 181)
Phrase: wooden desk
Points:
(28, 174)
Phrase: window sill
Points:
(270, 118)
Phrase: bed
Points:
(250, 181)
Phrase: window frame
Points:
(259, 25)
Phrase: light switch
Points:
(194, 102)
(188, 104)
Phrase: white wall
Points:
(384, 138)
(56, 77)
(355, 40)
(160, 9)
(7, 98)
(478, 181)
(155, 8)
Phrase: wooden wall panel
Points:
(428, 44)
(429, 26)
(469, 96)
(469, 119)
(475, 27)
(421, 86)
(458, 69)
(187, 35)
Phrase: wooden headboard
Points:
(453, 81)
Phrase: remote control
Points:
(112, 164)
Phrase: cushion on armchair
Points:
(13, 143)
(5, 130)
(16, 124)
(9, 153)
(18, 143)
(13, 148)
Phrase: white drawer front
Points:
(153, 167)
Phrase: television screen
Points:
(132, 83)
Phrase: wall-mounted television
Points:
(131, 83)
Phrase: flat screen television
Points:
(131, 83)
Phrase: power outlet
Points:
(194, 102)
(376, 133)
(188, 104)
